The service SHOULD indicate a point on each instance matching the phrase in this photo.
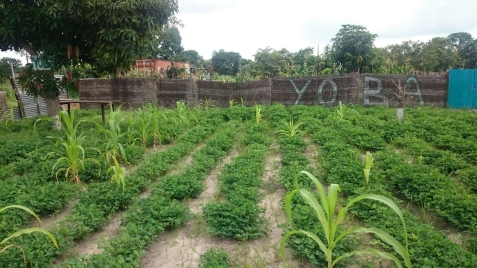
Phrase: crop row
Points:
(162, 210)
(238, 216)
(411, 136)
(293, 161)
(341, 164)
(419, 183)
(99, 202)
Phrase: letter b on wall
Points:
(368, 92)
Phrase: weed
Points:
(214, 258)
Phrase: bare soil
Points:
(183, 247)
(49, 221)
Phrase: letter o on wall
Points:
(334, 91)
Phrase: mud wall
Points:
(365, 89)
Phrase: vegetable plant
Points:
(207, 104)
(113, 134)
(367, 167)
(119, 173)
(74, 152)
(325, 211)
(6, 245)
(258, 115)
(291, 129)
(143, 120)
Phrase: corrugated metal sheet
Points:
(5, 114)
(461, 89)
(33, 106)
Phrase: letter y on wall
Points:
(300, 92)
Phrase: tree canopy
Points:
(170, 45)
(109, 35)
(227, 63)
(5, 69)
(353, 47)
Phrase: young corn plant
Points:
(157, 117)
(143, 122)
(291, 129)
(325, 210)
(74, 157)
(368, 166)
(113, 134)
(118, 173)
(4, 245)
(258, 115)
(207, 104)
(341, 112)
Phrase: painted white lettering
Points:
(334, 91)
(368, 92)
(417, 93)
(300, 92)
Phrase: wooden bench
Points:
(102, 102)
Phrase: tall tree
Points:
(226, 63)
(109, 35)
(191, 56)
(306, 62)
(353, 48)
(6, 69)
(438, 55)
(468, 54)
(271, 63)
(459, 40)
(170, 43)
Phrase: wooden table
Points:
(102, 102)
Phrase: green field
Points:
(148, 166)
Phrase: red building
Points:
(159, 67)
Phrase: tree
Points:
(171, 43)
(468, 54)
(353, 47)
(305, 62)
(191, 56)
(271, 63)
(460, 39)
(226, 63)
(438, 55)
(5, 69)
(109, 35)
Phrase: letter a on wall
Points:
(417, 93)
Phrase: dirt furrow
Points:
(49, 221)
(90, 245)
(183, 247)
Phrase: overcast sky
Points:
(244, 26)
